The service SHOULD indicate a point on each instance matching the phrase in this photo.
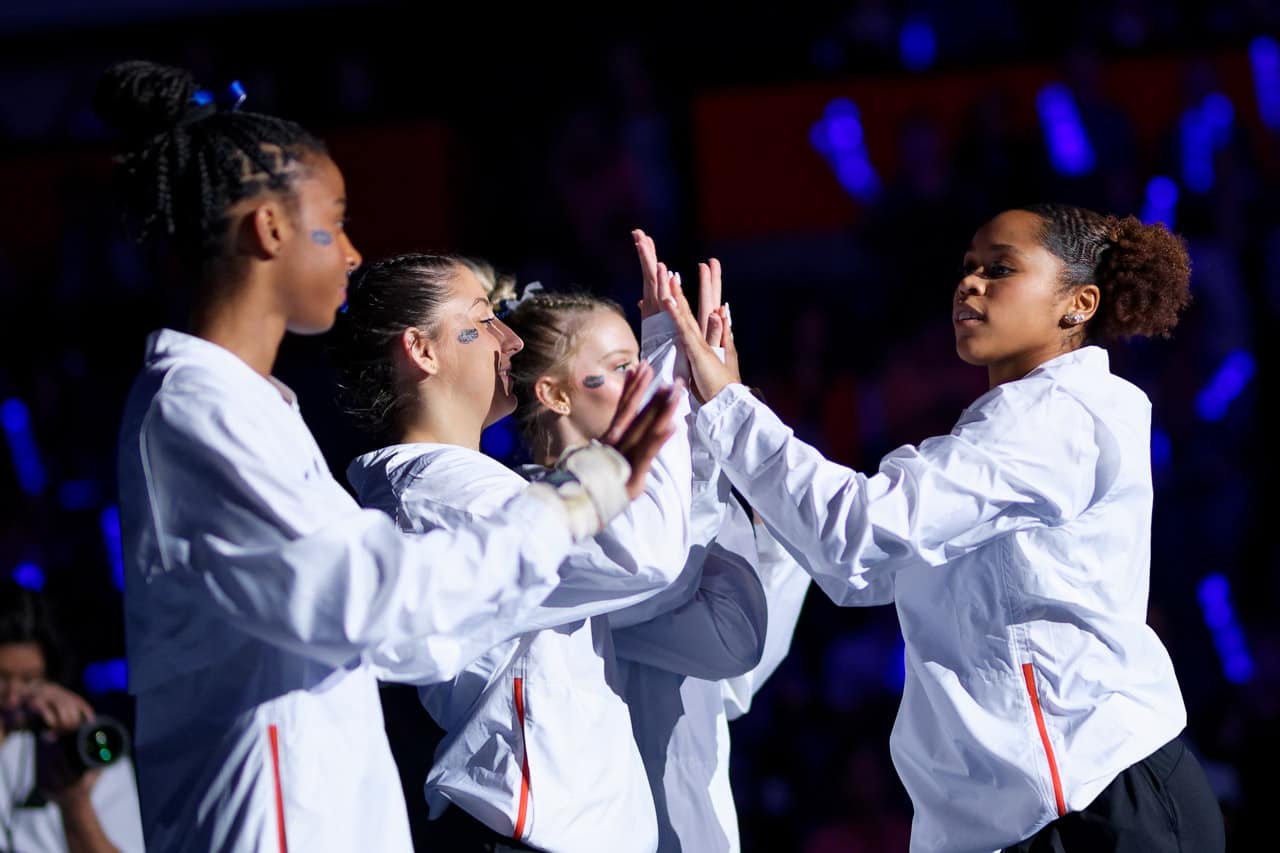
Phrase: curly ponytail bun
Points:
(1146, 278)
(1142, 271)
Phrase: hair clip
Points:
(232, 99)
(235, 96)
(506, 306)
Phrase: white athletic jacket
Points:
(258, 592)
(1017, 551)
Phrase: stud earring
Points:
(1073, 319)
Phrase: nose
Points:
(511, 342)
(970, 285)
(353, 254)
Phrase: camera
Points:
(95, 743)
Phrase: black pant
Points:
(1162, 804)
(459, 832)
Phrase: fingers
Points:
(648, 255)
(634, 434)
(633, 388)
(642, 424)
(651, 280)
(710, 375)
(707, 302)
(709, 295)
(650, 431)
(59, 708)
(687, 328)
(662, 277)
(730, 345)
(715, 328)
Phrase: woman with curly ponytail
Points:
(1040, 712)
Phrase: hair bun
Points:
(143, 98)
(1146, 273)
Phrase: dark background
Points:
(836, 156)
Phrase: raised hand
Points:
(710, 374)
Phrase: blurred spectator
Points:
(46, 804)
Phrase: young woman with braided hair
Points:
(1040, 712)
(258, 594)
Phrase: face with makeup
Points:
(1010, 306)
(474, 349)
(318, 255)
(591, 384)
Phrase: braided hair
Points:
(185, 164)
(1142, 271)
(550, 325)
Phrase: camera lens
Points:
(100, 742)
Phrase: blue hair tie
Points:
(231, 99)
(235, 95)
(204, 103)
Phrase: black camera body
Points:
(99, 742)
(95, 743)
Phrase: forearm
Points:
(81, 825)
(816, 506)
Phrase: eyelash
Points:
(623, 368)
(994, 271)
(489, 321)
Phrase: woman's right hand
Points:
(639, 433)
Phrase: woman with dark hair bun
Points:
(258, 594)
(1040, 712)
(538, 752)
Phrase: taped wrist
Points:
(590, 485)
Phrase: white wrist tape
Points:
(590, 483)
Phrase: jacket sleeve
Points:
(283, 558)
(1023, 457)
(718, 629)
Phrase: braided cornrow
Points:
(186, 165)
(1142, 271)
(549, 325)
